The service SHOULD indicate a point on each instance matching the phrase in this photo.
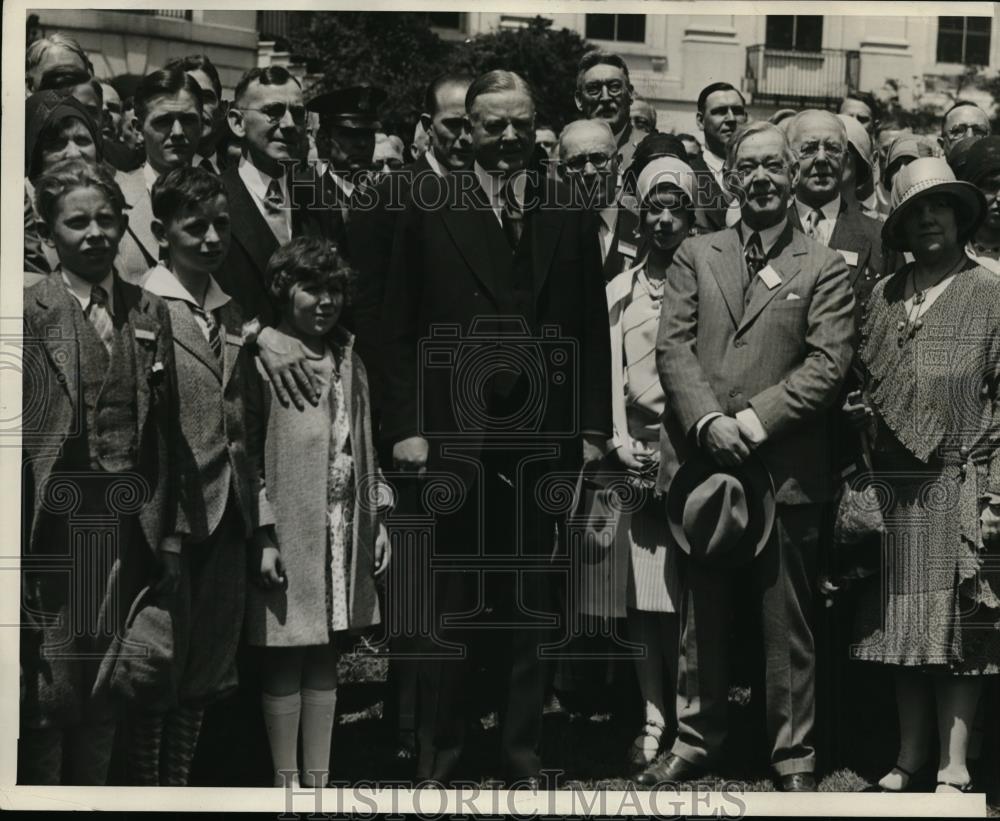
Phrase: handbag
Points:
(858, 525)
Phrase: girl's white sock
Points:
(318, 708)
(281, 718)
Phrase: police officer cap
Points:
(355, 107)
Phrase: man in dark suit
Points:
(494, 257)
(721, 111)
(271, 198)
(819, 140)
(756, 337)
(588, 162)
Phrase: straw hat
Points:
(929, 175)
(663, 171)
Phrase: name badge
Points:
(142, 333)
(769, 277)
(232, 339)
(627, 249)
(850, 257)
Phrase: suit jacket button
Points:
(734, 392)
(963, 452)
(739, 343)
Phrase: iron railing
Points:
(788, 77)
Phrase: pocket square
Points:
(792, 296)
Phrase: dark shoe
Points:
(966, 787)
(798, 782)
(672, 769)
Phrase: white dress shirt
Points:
(493, 186)
(257, 183)
(162, 282)
(715, 164)
(80, 288)
(435, 164)
(606, 230)
(149, 175)
(824, 229)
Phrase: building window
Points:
(964, 40)
(625, 28)
(179, 14)
(794, 32)
(445, 19)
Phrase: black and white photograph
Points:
(594, 404)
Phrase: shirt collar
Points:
(713, 160)
(609, 216)
(198, 159)
(80, 288)
(768, 236)
(871, 201)
(493, 185)
(162, 282)
(258, 181)
(149, 175)
(435, 164)
(830, 211)
(343, 183)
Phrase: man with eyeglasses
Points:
(604, 92)
(168, 114)
(588, 162)
(964, 119)
(272, 198)
(501, 252)
(721, 111)
(204, 73)
(819, 140)
(755, 340)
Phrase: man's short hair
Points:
(33, 56)
(267, 76)
(954, 105)
(165, 81)
(311, 260)
(758, 127)
(495, 81)
(183, 188)
(797, 118)
(450, 78)
(196, 62)
(64, 77)
(711, 89)
(864, 97)
(70, 175)
(599, 58)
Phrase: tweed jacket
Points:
(53, 388)
(212, 453)
(785, 354)
(138, 251)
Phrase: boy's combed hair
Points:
(164, 82)
(184, 187)
(70, 175)
(309, 260)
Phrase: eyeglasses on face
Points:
(576, 165)
(275, 112)
(956, 132)
(593, 89)
(811, 149)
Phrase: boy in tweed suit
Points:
(99, 475)
(191, 223)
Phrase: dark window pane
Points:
(445, 19)
(951, 24)
(978, 24)
(632, 28)
(778, 33)
(808, 32)
(949, 47)
(977, 49)
(601, 26)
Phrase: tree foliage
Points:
(399, 52)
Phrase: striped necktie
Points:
(214, 337)
(755, 259)
(100, 316)
(814, 218)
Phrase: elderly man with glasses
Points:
(588, 162)
(604, 92)
(963, 119)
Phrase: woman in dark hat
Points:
(930, 353)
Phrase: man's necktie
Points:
(755, 262)
(100, 316)
(214, 337)
(206, 165)
(813, 219)
(512, 217)
(274, 205)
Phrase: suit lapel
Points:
(470, 223)
(140, 212)
(729, 277)
(56, 304)
(250, 228)
(188, 335)
(784, 258)
(232, 341)
(546, 225)
(143, 330)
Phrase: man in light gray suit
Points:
(756, 336)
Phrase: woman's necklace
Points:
(653, 286)
(913, 323)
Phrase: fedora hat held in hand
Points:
(721, 516)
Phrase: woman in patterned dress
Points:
(320, 538)
(665, 190)
(931, 353)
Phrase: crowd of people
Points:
(259, 330)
